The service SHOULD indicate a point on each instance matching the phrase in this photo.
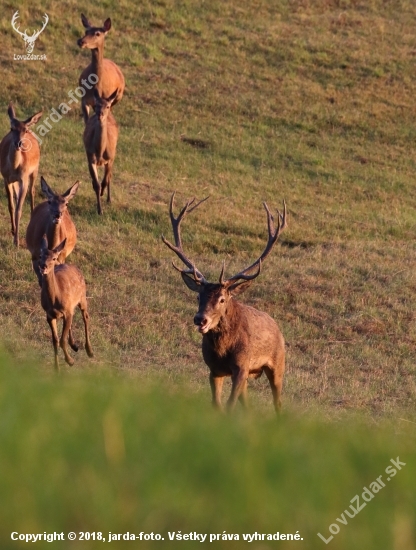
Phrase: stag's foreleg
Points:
(239, 387)
(216, 383)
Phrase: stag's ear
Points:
(46, 190)
(107, 24)
(191, 283)
(11, 112)
(239, 287)
(85, 21)
(33, 119)
(70, 193)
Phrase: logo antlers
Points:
(29, 40)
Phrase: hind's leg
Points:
(86, 318)
(72, 341)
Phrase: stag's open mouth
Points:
(203, 329)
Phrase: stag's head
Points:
(49, 258)
(20, 129)
(29, 40)
(94, 36)
(103, 105)
(58, 203)
(214, 298)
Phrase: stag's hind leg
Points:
(243, 395)
(275, 376)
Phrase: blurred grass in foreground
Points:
(88, 451)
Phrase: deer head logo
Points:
(29, 40)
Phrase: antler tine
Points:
(273, 236)
(192, 271)
(177, 247)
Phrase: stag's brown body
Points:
(100, 142)
(19, 164)
(245, 343)
(63, 289)
(109, 75)
(238, 340)
(51, 218)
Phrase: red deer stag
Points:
(108, 73)
(19, 161)
(100, 141)
(51, 218)
(238, 340)
(63, 289)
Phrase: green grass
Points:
(90, 451)
(307, 101)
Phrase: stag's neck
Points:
(225, 335)
(97, 57)
(100, 138)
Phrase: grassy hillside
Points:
(312, 102)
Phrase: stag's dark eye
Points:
(97, 33)
(222, 300)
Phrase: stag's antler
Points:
(273, 236)
(177, 248)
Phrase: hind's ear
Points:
(33, 119)
(11, 112)
(46, 190)
(107, 24)
(60, 247)
(85, 21)
(70, 193)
